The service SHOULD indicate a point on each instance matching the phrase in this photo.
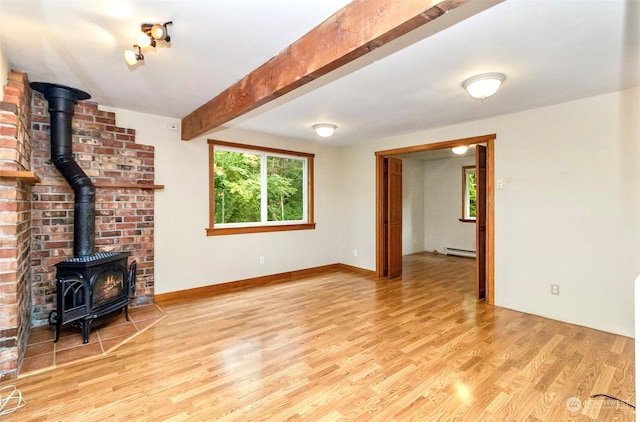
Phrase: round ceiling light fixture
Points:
(484, 85)
(324, 130)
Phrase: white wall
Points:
(432, 206)
(187, 258)
(4, 72)
(357, 217)
(568, 213)
(412, 206)
(443, 206)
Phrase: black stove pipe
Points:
(62, 100)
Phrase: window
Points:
(468, 194)
(256, 189)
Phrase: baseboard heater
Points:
(467, 253)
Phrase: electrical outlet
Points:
(355, 252)
(262, 260)
(555, 289)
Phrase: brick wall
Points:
(15, 224)
(119, 168)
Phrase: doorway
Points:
(388, 252)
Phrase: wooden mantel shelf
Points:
(27, 176)
(32, 178)
(127, 185)
(99, 185)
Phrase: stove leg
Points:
(126, 312)
(86, 324)
(55, 322)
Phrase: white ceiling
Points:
(551, 52)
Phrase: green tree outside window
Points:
(240, 187)
(469, 185)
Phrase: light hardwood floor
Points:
(345, 346)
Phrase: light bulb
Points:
(158, 32)
(459, 150)
(143, 40)
(130, 57)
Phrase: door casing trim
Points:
(488, 140)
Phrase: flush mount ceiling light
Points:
(460, 150)
(324, 130)
(484, 85)
(147, 37)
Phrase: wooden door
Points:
(487, 211)
(394, 217)
(481, 221)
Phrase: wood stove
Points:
(90, 285)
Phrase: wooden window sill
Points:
(466, 220)
(259, 229)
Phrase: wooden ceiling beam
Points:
(353, 31)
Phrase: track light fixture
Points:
(149, 34)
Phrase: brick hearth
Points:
(43, 354)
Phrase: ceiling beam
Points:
(353, 31)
